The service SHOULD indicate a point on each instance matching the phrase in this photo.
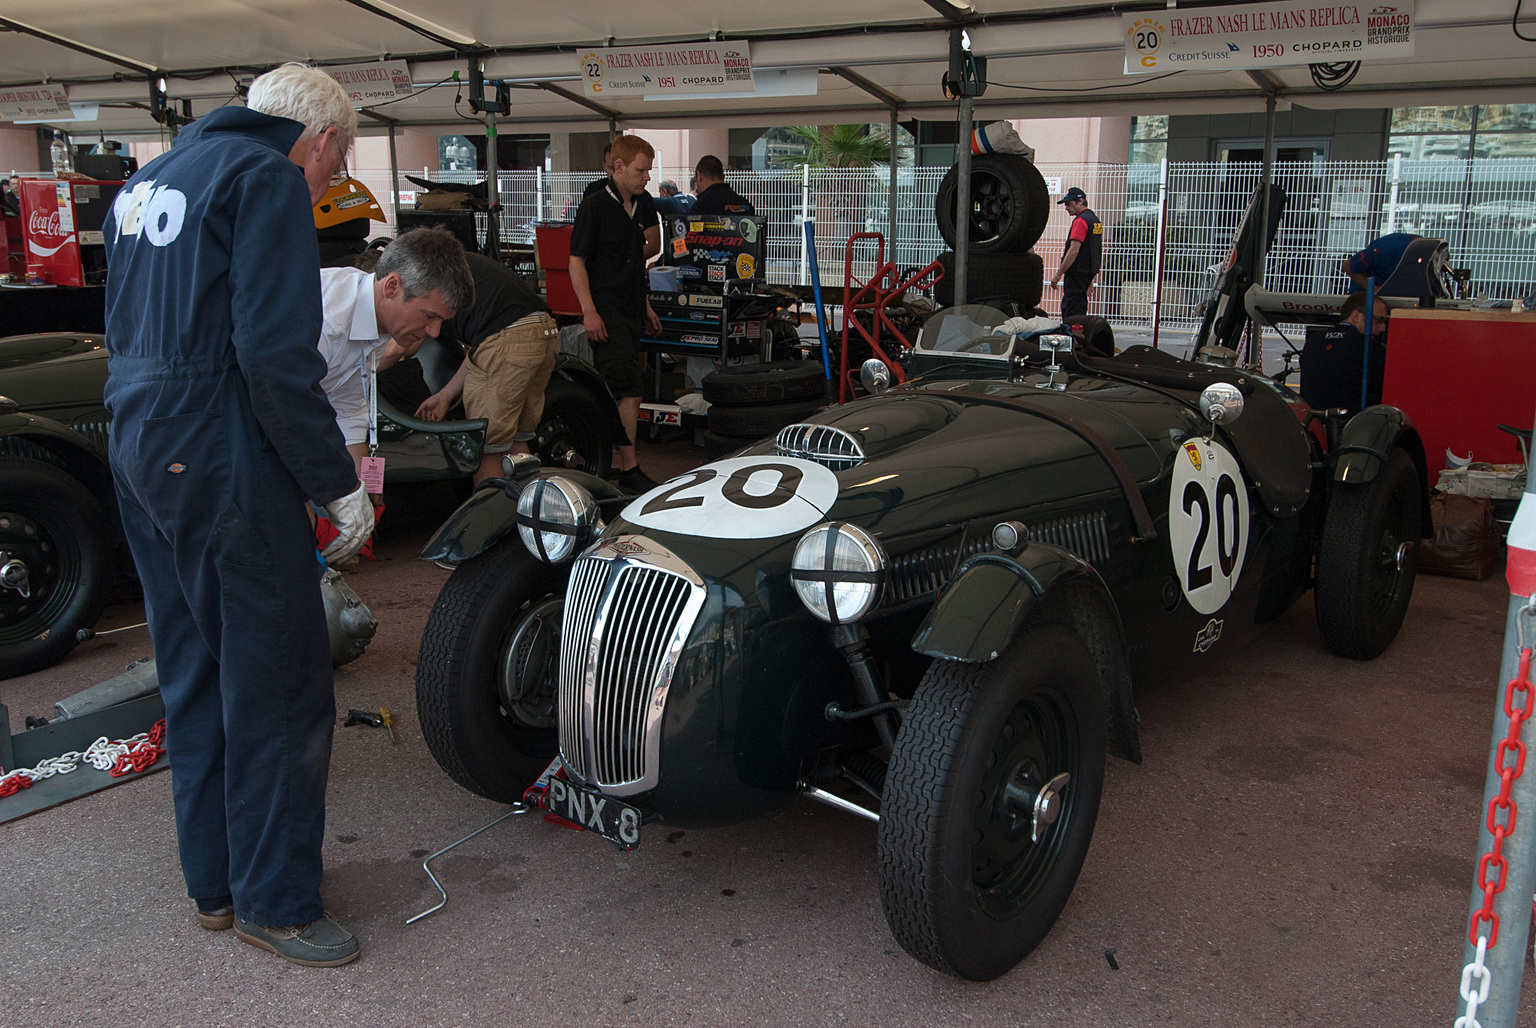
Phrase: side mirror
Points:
(1221, 403)
(875, 376)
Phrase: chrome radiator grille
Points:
(625, 622)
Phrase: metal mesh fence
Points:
(1180, 217)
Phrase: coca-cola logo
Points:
(45, 224)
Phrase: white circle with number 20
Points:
(739, 498)
(1207, 523)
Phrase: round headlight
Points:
(555, 518)
(838, 570)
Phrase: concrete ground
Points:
(1297, 848)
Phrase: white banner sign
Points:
(371, 83)
(717, 66)
(20, 102)
(1291, 32)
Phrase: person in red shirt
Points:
(1081, 258)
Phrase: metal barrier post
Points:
(1157, 261)
(1509, 934)
(1397, 175)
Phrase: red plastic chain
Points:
(143, 754)
(1502, 806)
(13, 784)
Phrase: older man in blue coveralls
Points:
(220, 431)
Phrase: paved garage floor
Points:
(1297, 848)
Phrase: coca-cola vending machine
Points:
(61, 223)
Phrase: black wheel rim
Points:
(53, 566)
(991, 207)
(1389, 571)
(1038, 741)
(563, 442)
(528, 668)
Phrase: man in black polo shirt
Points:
(1331, 370)
(608, 273)
(644, 203)
(715, 197)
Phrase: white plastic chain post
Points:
(1475, 971)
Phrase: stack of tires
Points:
(750, 401)
(1009, 208)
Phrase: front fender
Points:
(1367, 442)
(491, 512)
(990, 596)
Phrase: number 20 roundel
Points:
(1207, 523)
(739, 498)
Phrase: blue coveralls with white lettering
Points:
(219, 433)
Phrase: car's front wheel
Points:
(1367, 560)
(487, 676)
(989, 804)
(56, 564)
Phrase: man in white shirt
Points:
(372, 321)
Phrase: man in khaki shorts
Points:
(510, 342)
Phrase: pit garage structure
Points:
(146, 67)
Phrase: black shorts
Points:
(618, 357)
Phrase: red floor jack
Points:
(875, 295)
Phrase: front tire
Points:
(56, 545)
(971, 878)
(487, 676)
(1368, 559)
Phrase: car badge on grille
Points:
(624, 547)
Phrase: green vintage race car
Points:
(930, 607)
(60, 542)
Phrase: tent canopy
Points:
(816, 62)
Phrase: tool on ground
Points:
(426, 865)
(383, 719)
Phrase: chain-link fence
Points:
(1176, 217)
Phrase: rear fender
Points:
(1366, 444)
(491, 512)
(46, 440)
(574, 369)
(992, 596)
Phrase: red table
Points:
(1458, 375)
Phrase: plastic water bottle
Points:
(62, 161)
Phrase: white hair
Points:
(307, 95)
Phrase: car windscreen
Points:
(970, 329)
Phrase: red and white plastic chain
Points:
(1475, 979)
(124, 756)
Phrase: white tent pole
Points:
(394, 179)
(891, 219)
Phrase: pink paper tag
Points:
(373, 474)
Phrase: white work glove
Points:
(352, 516)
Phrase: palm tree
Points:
(838, 146)
(840, 198)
